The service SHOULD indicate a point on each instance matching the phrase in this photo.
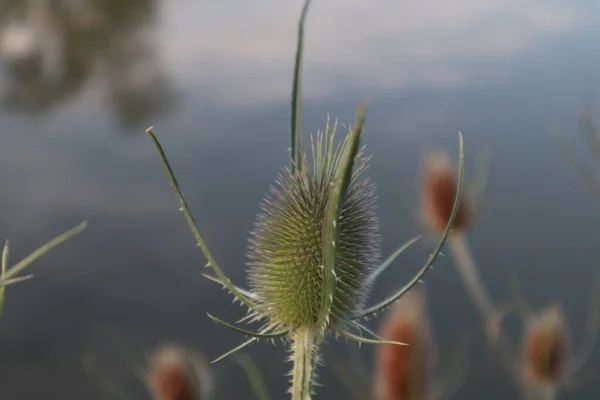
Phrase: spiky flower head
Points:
(315, 250)
(438, 195)
(175, 374)
(402, 372)
(545, 347)
(286, 251)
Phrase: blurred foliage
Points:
(50, 51)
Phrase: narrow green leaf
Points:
(360, 327)
(4, 258)
(387, 302)
(296, 117)
(27, 261)
(362, 340)
(235, 349)
(192, 223)
(333, 209)
(6, 282)
(3, 274)
(248, 333)
(391, 258)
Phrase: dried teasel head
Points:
(402, 372)
(438, 192)
(286, 251)
(177, 375)
(545, 347)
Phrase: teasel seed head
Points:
(287, 244)
(177, 375)
(438, 194)
(545, 348)
(402, 372)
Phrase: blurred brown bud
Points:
(438, 195)
(175, 376)
(402, 372)
(545, 347)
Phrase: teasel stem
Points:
(469, 274)
(304, 356)
(548, 393)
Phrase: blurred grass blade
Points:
(6, 282)
(457, 372)
(479, 185)
(296, 117)
(333, 209)
(253, 374)
(27, 261)
(3, 273)
(192, 223)
(107, 388)
(350, 380)
(387, 302)
(591, 133)
(584, 171)
(580, 360)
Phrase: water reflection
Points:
(51, 51)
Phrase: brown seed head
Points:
(402, 372)
(173, 377)
(545, 347)
(438, 194)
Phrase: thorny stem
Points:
(304, 355)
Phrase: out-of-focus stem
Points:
(468, 272)
(492, 317)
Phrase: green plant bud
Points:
(287, 244)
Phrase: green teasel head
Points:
(314, 253)
(287, 246)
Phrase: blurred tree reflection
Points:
(50, 50)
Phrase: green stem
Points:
(304, 355)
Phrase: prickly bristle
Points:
(402, 372)
(438, 194)
(286, 247)
(545, 347)
(172, 376)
